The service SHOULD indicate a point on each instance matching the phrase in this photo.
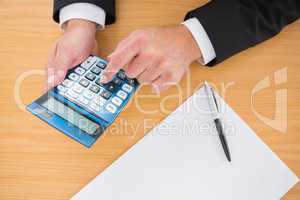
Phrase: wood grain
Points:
(38, 162)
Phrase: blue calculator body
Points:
(81, 106)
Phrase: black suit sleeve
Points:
(235, 25)
(107, 5)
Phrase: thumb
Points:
(57, 69)
(119, 59)
(55, 79)
(95, 50)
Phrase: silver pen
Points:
(213, 106)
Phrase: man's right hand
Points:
(72, 48)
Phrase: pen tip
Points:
(229, 158)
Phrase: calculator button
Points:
(101, 65)
(83, 100)
(94, 88)
(79, 70)
(67, 83)
(105, 94)
(88, 94)
(98, 82)
(122, 94)
(111, 108)
(78, 88)
(72, 94)
(127, 88)
(73, 76)
(61, 88)
(121, 75)
(117, 81)
(89, 62)
(95, 107)
(100, 101)
(84, 82)
(90, 76)
(110, 86)
(132, 81)
(96, 70)
(117, 101)
(61, 93)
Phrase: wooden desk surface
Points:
(38, 162)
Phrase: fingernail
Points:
(51, 79)
(103, 79)
(155, 89)
(109, 56)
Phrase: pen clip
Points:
(212, 101)
(215, 99)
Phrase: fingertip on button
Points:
(103, 79)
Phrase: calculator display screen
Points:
(70, 115)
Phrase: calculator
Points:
(81, 106)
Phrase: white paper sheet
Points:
(182, 159)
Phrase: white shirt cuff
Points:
(202, 39)
(85, 11)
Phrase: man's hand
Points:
(158, 56)
(76, 44)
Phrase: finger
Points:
(122, 44)
(119, 59)
(59, 74)
(57, 68)
(50, 67)
(125, 68)
(162, 83)
(65, 61)
(137, 66)
(54, 78)
(149, 75)
(48, 72)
